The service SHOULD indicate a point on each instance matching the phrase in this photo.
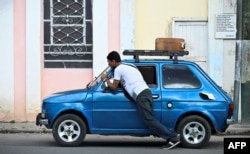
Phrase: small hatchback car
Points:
(186, 100)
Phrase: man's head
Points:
(114, 55)
(114, 59)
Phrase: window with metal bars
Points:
(68, 34)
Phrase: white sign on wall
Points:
(225, 26)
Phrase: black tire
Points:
(195, 132)
(69, 130)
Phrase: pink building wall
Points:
(23, 108)
(114, 25)
(19, 60)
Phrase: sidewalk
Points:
(29, 127)
(22, 127)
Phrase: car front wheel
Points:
(195, 131)
(69, 130)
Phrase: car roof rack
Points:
(172, 54)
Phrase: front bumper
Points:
(40, 120)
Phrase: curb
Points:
(238, 129)
(25, 127)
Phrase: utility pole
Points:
(242, 61)
(245, 63)
(237, 74)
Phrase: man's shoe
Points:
(171, 144)
(176, 138)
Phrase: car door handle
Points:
(155, 96)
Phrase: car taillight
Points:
(231, 110)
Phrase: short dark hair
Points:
(114, 55)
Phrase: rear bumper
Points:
(40, 120)
(230, 121)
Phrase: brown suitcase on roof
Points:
(170, 44)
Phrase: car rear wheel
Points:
(195, 132)
(69, 130)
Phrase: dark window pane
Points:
(68, 65)
(46, 6)
(88, 10)
(89, 33)
(149, 75)
(46, 32)
(179, 77)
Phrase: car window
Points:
(97, 79)
(149, 75)
(176, 76)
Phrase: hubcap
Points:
(194, 132)
(69, 131)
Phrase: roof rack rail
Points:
(172, 54)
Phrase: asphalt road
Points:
(22, 143)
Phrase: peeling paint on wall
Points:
(245, 61)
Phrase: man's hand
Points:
(104, 77)
(112, 85)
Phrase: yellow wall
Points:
(153, 18)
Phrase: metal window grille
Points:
(68, 34)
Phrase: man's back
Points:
(131, 79)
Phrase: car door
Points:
(150, 72)
(115, 112)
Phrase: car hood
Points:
(67, 96)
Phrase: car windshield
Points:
(97, 79)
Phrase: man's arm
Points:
(114, 85)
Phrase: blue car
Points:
(186, 100)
